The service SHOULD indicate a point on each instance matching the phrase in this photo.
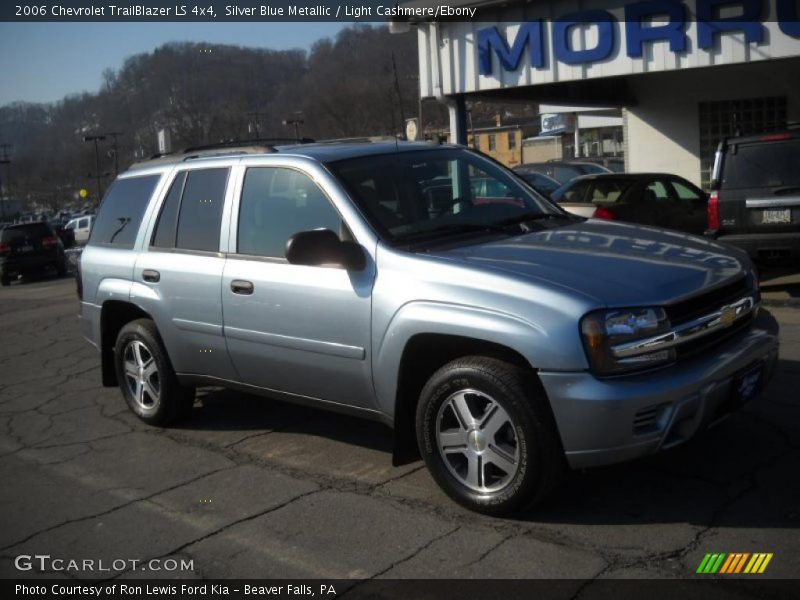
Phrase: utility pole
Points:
(97, 176)
(114, 135)
(397, 88)
(257, 114)
(296, 123)
(3, 161)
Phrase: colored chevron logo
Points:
(737, 562)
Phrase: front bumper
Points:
(604, 421)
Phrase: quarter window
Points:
(122, 210)
(276, 204)
(684, 192)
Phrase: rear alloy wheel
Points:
(487, 435)
(146, 377)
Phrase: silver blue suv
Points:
(426, 287)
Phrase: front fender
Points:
(531, 340)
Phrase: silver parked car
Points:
(425, 287)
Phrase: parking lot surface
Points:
(250, 487)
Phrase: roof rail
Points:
(219, 149)
(360, 140)
(248, 143)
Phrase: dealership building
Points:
(682, 73)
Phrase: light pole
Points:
(296, 123)
(96, 139)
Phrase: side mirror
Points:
(323, 247)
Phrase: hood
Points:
(616, 264)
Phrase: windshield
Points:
(407, 194)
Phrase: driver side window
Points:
(277, 203)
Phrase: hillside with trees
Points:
(362, 82)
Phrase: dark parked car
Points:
(562, 171)
(541, 183)
(755, 202)
(615, 164)
(646, 198)
(29, 248)
(67, 236)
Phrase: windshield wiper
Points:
(452, 229)
(534, 216)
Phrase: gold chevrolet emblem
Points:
(727, 316)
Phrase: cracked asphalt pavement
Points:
(250, 487)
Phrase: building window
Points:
(512, 140)
(492, 142)
(728, 118)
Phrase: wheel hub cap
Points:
(477, 441)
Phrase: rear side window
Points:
(763, 165)
(166, 227)
(606, 191)
(191, 215)
(200, 216)
(575, 193)
(121, 211)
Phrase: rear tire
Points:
(5, 281)
(487, 435)
(61, 267)
(146, 377)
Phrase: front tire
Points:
(146, 377)
(487, 435)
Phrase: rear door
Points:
(178, 276)
(760, 187)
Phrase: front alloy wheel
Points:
(487, 435)
(477, 441)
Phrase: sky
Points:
(43, 62)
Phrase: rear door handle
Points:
(240, 286)
(151, 275)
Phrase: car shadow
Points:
(737, 473)
(219, 409)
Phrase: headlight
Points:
(606, 330)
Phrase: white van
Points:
(82, 226)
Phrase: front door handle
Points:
(151, 275)
(240, 286)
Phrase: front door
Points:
(298, 329)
